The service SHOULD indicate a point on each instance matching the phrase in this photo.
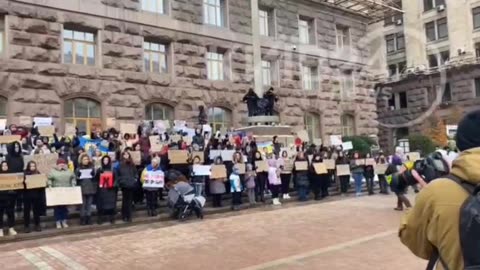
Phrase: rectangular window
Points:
(214, 12)
(430, 31)
(78, 47)
(267, 22)
(155, 57)
(442, 28)
(390, 39)
(476, 17)
(444, 57)
(432, 60)
(402, 96)
(2, 35)
(391, 102)
(392, 70)
(447, 94)
(347, 84)
(477, 49)
(477, 87)
(215, 66)
(402, 67)
(156, 6)
(400, 41)
(267, 72)
(431, 4)
(306, 30)
(309, 77)
(343, 37)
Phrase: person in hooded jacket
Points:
(34, 200)
(198, 139)
(260, 180)
(369, 174)
(85, 174)
(26, 147)
(126, 178)
(7, 204)
(318, 182)
(16, 165)
(107, 193)
(301, 178)
(343, 179)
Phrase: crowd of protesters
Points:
(106, 169)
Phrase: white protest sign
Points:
(215, 153)
(336, 140)
(201, 170)
(207, 128)
(86, 174)
(227, 155)
(63, 196)
(347, 146)
(154, 179)
(3, 124)
(42, 121)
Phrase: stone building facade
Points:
(45, 67)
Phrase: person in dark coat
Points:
(85, 174)
(16, 165)
(251, 99)
(300, 178)
(107, 194)
(33, 200)
(260, 180)
(271, 98)
(126, 178)
(369, 174)
(7, 204)
(198, 139)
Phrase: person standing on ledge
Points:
(271, 98)
(251, 99)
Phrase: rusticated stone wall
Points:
(36, 82)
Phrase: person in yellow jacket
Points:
(433, 223)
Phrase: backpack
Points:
(432, 167)
(469, 226)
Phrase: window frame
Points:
(151, 52)
(3, 42)
(221, 65)
(447, 98)
(476, 13)
(74, 42)
(267, 68)
(168, 112)
(220, 10)
(309, 77)
(342, 33)
(476, 87)
(226, 121)
(346, 129)
(310, 30)
(346, 77)
(4, 102)
(432, 4)
(313, 126)
(434, 27)
(159, 3)
(89, 120)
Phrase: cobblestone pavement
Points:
(345, 234)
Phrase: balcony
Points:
(374, 10)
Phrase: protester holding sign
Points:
(61, 176)
(33, 199)
(106, 195)
(357, 173)
(286, 165)
(153, 180)
(301, 178)
(7, 204)
(126, 176)
(381, 176)
(85, 175)
(217, 186)
(274, 181)
(318, 181)
(250, 176)
(235, 189)
(261, 179)
(369, 174)
(16, 165)
(198, 181)
(343, 179)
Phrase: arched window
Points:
(159, 111)
(3, 108)
(219, 117)
(84, 113)
(312, 125)
(348, 125)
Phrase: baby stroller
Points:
(183, 202)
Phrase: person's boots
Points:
(399, 205)
(88, 220)
(83, 221)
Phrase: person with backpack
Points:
(444, 224)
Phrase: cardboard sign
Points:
(188, 140)
(199, 154)
(240, 167)
(317, 141)
(154, 179)
(380, 168)
(178, 156)
(47, 131)
(70, 129)
(175, 138)
(262, 165)
(287, 166)
(370, 162)
(335, 140)
(155, 143)
(343, 170)
(42, 121)
(359, 162)
(347, 146)
(136, 157)
(63, 196)
(128, 128)
(303, 135)
(413, 156)
(301, 166)
(45, 162)
(111, 122)
(201, 170)
(36, 181)
(320, 168)
(25, 121)
(329, 163)
(11, 181)
(218, 172)
(10, 139)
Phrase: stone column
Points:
(257, 51)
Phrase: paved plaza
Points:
(343, 234)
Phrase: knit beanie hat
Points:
(468, 132)
(61, 161)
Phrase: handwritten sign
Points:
(370, 162)
(215, 153)
(329, 163)
(154, 179)
(347, 146)
(413, 156)
(262, 166)
(10, 139)
(11, 181)
(178, 156)
(25, 121)
(359, 162)
(198, 154)
(287, 166)
(128, 128)
(136, 157)
(380, 168)
(227, 155)
(343, 170)
(240, 167)
(320, 168)
(301, 166)
(336, 140)
(45, 162)
(47, 131)
(42, 121)
(70, 129)
(155, 143)
(36, 181)
(63, 196)
(201, 170)
(218, 172)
